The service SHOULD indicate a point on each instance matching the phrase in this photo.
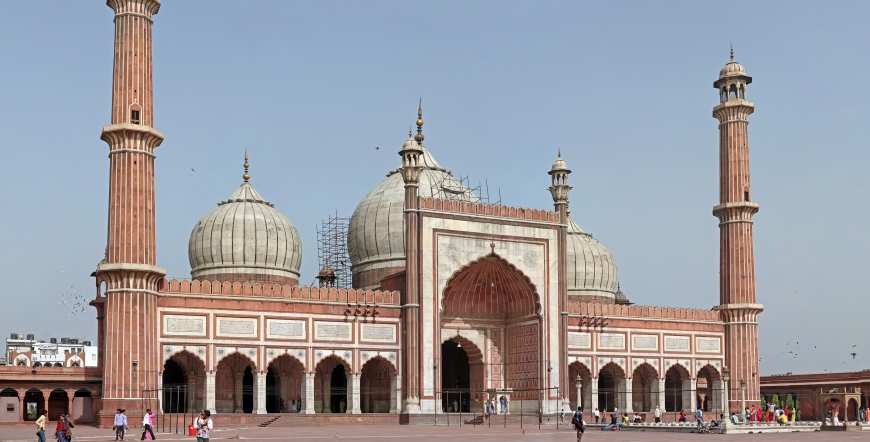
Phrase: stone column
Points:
(159, 393)
(210, 391)
(191, 393)
(353, 395)
(394, 393)
(70, 394)
(327, 394)
(692, 394)
(237, 397)
(579, 404)
(308, 393)
(593, 404)
(628, 404)
(260, 393)
(21, 405)
(661, 395)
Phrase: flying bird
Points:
(376, 147)
(854, 345)
(191, 169)
(853, 355)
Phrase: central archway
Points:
(499, 305)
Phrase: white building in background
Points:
(27, 351)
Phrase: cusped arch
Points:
(75, 361)
(471, 348)
(712, 371)
(170, 352)
(273, 356)
(490, 288)
(176, 354)
(242, 357)
(341, 359)
(684, 372)
(614, 369)
(378, 359)
(646, 369)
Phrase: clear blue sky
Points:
(623, 88)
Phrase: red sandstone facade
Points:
(482, 307)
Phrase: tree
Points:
(797, 406)
(789, 403)
(775, 401)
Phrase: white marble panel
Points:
(676, 343)
(332, 331)
(644, 342)
(579, 340)
(285, 329)
(611, 341)
(237, 327)
(707, 345)
(182, 325)
(378, 333)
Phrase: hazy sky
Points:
(310, 89)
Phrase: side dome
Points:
(591, 269)
(244, 239)
(376, 232)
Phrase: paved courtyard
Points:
(416, 433)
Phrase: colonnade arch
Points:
(678, 389)
(285, 381)
(331, 379)
(644, 388)
(234, 384)
(182, 383)
(709, 389)
(378, 386)
(584, 400)
(611, 388)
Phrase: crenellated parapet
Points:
(288, 292)
(576, 308)
(489, 210)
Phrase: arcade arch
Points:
(574, 370)
(644, 388)
(331, 378)
(709, 389)
(234, 384)
(182, 383)
(611, 388)
(285, 379)
(377, 386)
(678, 389)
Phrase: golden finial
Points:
(560, 152)
(419, 137)
(246, 176)
(732, 51)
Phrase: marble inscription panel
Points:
(378, 333)
(708, 345)
(184, 325)
(237, 327)
(334, 331)
(579, 340)
(677, 343)
(611, 341)
(278, 328)
(644, 342)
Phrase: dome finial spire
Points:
(560, 152)
(419, 137)
(246, 176)
(732, 51)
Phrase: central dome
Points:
(244, 239)
(591, 269)
(376, 233)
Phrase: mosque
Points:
(454, 300)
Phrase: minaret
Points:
(411, 154)
(736, 257)
(559, 189)
(128, 309)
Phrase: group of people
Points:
(63, 430)
(294, 406)
(780, 415)
(495, 407)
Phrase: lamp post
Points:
(726, 376)
(743, 396)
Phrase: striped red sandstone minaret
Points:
(559, 189)
(128, 320)
(736, 257)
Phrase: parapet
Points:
(640, 311)
(295, 292)
(495, 211)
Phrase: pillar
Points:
(660, 393)
(210, 391)
(159, 393)
(260, 393)
(239, 390)
(308, 393)
(579, 404)
(628, 404)
(353, 396)
(593, 404)
(690, 392)
(21, 405)
(191, 392)
(327, 394)
(70, 395)
(395, 393)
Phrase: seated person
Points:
(734, 419)
(783, 419)
(636, 418)
(715, 423)
(625, 419)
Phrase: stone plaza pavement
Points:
(363, 433)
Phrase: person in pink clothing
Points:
(148, 425)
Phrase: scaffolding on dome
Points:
(332, 254)
(459, 189)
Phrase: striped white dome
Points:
(591, 268)
(245, 235)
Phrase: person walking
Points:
(120, 425)
(597, 414)
(699, 417)
(62, 429)
(147, 424)
(658, 414)
(562, 416)
(203, 426)
(40, 426)
(579, 423)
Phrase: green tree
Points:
(775, 401)
(797, 406)
(789, 403)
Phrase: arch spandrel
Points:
(198, 351)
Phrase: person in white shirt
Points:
(597, 415)
(203, 425)
(120, 424)
(658, 414)
(147, 423)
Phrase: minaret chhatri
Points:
(736, 256)
(127, 311)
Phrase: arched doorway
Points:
(376, 383)
(330, 386)
(611, 388)
(676, 389)
(287, 375)
(644, 386)
(34, 402)
(234, 384)
(574, 370)
(491, 299)
(174, 388)
(9, 396)
(58, 403)
(455, 377)
(709, 390)
(83, 406)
